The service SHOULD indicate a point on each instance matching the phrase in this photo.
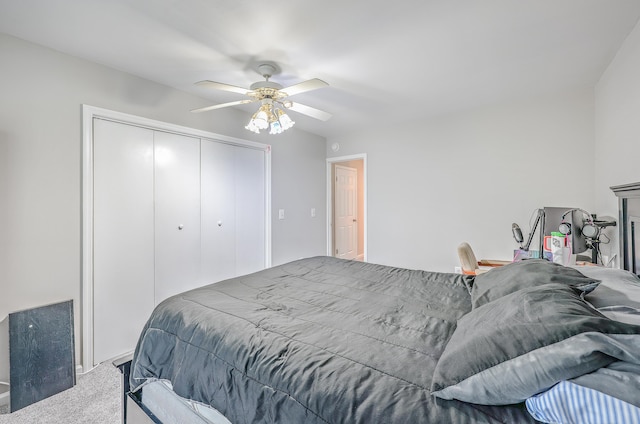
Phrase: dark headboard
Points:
(629, 220)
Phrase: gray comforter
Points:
(319, 340)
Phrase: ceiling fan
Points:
(273, 98)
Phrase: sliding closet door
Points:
(250, 210)
(177, 214)
(218, 211)
(170, 213)
(123, 234)
(233, 210)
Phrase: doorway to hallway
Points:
(346, 207)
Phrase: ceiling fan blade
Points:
(310, 111)
(223, 86)
(312, 84)
(239, 102)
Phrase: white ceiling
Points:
(385, 61)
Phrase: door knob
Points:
(180, 227)
(354, 220)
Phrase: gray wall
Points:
(617, 126)
(466, 177)
(41, 93)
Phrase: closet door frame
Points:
(88, 115)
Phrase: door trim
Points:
(88, 115)
(363, 183)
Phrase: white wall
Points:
(466, 177)
(617, 127)
(298, 172)
(41, 93)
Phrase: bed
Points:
(325, 340)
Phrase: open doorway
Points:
(346, 207)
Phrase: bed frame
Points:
(629, 225)
(133, 411)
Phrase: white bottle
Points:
(557, 247)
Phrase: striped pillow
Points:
(569, 403)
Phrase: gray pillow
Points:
(618, 295)
(618, 287)
(506, 351)
(507, 279)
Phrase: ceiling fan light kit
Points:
(269, 116)
(272, 96)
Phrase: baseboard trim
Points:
(5, 398)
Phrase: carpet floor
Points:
(94, 399)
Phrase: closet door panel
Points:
(250, 210)
(177, 214)
(123, 235)
(218, 211)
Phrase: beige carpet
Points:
(94, 399)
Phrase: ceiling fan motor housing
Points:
(265, 84)
(268, 69)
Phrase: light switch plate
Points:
(280, 213)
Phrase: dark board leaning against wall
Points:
(41, 353)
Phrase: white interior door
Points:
(346, 212)
(218, 211)
(123, 234)
(177, 214)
